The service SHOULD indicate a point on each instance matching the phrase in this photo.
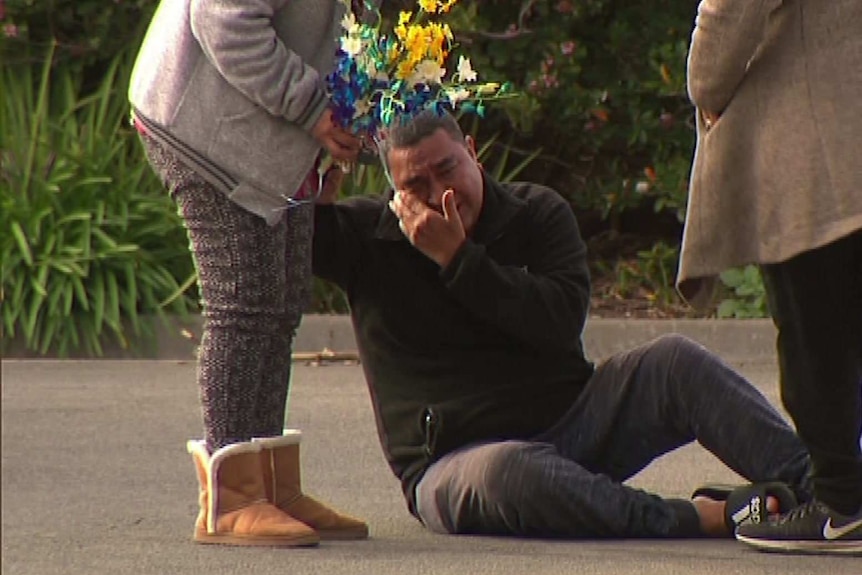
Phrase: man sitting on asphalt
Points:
(468, 298)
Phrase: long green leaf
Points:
(74, 217)
(80, 293)
(39, 117)
(32, 317)
(112, 312)
(98, 291)
(68, 298)
(23, 244)
(190, 281)
(104, 238)
(50, 326)
(131, 297)
(516, 171)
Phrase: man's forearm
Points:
(545, 311)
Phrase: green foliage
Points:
(652, 272)
(88, 239)
(604, 93)
(748, 298)
(86, 34)
(603, 83)
(604, 119)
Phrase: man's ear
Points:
(471, 149)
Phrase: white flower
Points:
(352, 46)
(366, 63)
(427, 72)
(465, 70)
(361, 108)
(455, 95)
(349, 23)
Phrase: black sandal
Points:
(747, 503)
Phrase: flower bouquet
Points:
(382, 78)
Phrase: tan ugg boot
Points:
(234, 509)
(280, 461)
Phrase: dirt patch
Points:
(607, 301)
(638, 295)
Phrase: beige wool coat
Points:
(780, 171)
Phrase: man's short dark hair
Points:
(409, 132)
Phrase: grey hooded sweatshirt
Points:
(235, 87)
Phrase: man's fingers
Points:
(450, 209)
(400, 200)
(405, 205)
(399, 210)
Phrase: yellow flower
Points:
(392, 55)
(437, 37)
(429, 6)
(437, 6)
(415, 43)
(444, 6)
(487, 88)
(401, 28)
(405, 69)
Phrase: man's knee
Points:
(676, 354)
(486, 490)
(671, 344)
(513, 470)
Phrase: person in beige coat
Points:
(777, 181)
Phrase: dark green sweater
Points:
(488, 348)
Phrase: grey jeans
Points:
(637, 406)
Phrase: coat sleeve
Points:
(544, 303)
(335, 249)
(725, 38)
(238, 38)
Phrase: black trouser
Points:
(816, 304)
(638, 405)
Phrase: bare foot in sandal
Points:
(722, 508)
(712, 514)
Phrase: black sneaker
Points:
(810, 528)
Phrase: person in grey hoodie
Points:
(229, 99)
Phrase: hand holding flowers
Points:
(340, 143)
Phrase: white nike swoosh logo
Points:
(830, 533)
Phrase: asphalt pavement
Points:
(96, 480)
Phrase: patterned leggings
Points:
(254, 283)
